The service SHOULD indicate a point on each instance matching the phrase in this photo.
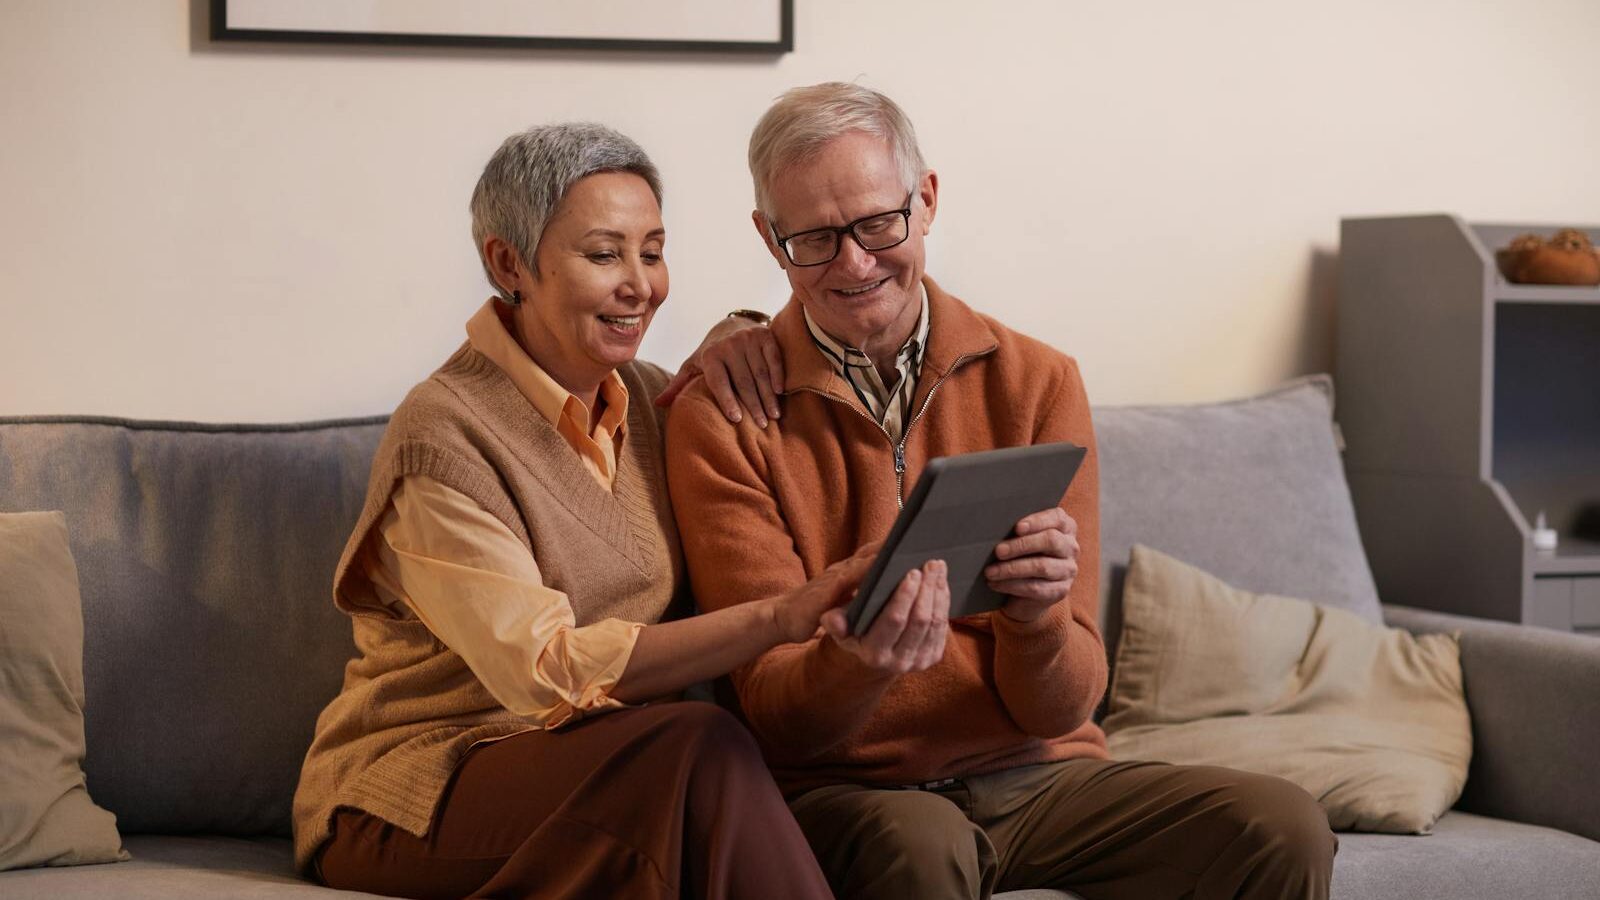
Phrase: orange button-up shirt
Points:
(438, 555)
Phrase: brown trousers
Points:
(665, 801)
(1097, 828)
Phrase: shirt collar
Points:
(488, 335)
(839, 354)
(963, 333)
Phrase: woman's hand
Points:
(669, 656)
(799, 612)
(909, 634)
(743, 367)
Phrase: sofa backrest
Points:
(205, 556)
(1252, 491)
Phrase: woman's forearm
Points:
(670, 656)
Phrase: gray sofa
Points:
(205, 555)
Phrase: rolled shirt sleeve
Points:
(467, 577)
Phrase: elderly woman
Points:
(517, 593)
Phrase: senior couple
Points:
(519, 580)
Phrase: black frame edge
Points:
(221, 32)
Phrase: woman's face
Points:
(601, 275)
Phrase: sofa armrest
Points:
(1534, 695)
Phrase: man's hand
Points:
(909, 634)
(743, 367)
(1038, 564)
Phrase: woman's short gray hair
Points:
(527, 178)
(805, 119)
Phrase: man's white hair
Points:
(802, 121)
(527, 178)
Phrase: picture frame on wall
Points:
(691, 26)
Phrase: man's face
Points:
(870, 299)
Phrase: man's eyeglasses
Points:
(817, 246)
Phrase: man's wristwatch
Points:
(754, 315)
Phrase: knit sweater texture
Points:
(410, 708)
(762, 511)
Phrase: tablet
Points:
(962, 507)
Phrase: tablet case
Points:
(962, 507)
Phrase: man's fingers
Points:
(922, 616)
(932, 649)
(892, 620)
(774, 357)
(1054, 517)
(1050, 568)
(1051, 542)
(836, 624)
(1032, 589)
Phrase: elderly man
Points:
(933, 757)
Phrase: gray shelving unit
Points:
(1468, 405)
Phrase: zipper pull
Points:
(899, 459)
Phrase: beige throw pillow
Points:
(46, 816)
(1371, 721)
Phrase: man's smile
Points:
(861, 289)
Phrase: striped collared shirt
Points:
(890, 405)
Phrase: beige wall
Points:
(242, 233)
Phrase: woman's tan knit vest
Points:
(410, 707)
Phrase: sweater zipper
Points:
(905, 433)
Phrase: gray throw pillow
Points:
(46, 816)
(1253, 491)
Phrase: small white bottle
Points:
(1544, 537)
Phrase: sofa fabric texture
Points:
(179, 867)
(1369, 720)
(1535, 719)
(1250, 490)
(1466, 856)
(46, 815)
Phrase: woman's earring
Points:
(516, 298)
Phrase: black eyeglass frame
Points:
(839, 231)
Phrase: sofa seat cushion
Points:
(205, 868)
(176, 868)
(1467, 856)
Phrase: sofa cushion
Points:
(46, 816)
(1467, 856)
(211, 643)
(1252, 491)
(1369, 720)
(178, 868)
(206, 868)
